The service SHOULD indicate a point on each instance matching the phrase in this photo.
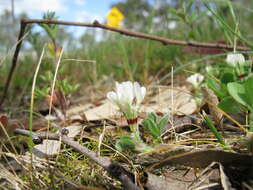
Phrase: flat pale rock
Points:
(48, 148)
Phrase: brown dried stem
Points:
(165, 41)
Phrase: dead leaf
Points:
(8, 127)
(4, 120)
(73, 130)
(202, 158)
(106, 110)
(58, 100)
(48, 148)
(177, 100)
(155, 182)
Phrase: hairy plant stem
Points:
(139, 144)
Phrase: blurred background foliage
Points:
(96, 53)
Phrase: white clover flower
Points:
(234, 59)
(195, 79)
(208, 68)
(128, 97)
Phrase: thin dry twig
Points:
(126, 32)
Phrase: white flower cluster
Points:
(235, 59)
(128, 97)
(195, 79)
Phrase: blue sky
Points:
(69, 10)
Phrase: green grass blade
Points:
(225, 25)
(211, 126)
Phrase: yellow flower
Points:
(114, 18)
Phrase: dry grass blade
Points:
(33, 88)
(241, 127)
(101, 136)
(9, 52)
(6, 136)
(30, 143)
(14, 181)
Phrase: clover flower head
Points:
(234, 59)
(195, 79)
(208, 68)
(128, 97)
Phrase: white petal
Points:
(139, 92)
(143, 92)
(200, 78)
(112, 96)
(127, 91)
(116, 84)
(124, 95)
(119, 91)
(191, 79)
(118, 88)
(240, 58)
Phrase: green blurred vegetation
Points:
(98, 53)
